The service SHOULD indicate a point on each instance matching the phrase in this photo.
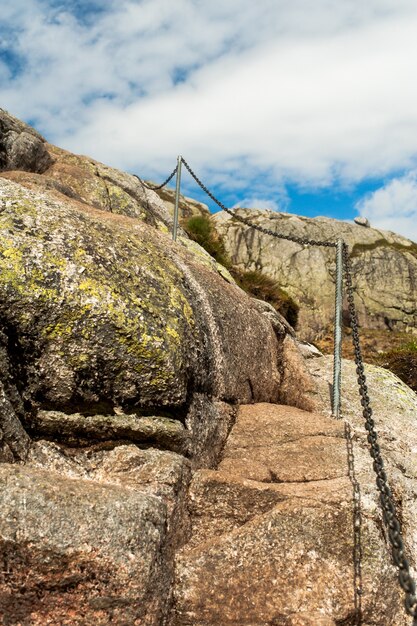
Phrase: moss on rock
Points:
(96, 294)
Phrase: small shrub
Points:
(202, 230)
(265, 288)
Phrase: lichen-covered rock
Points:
(105, 311)
(26, 158)
(384, 267)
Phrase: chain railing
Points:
(343, 266)
(385, 495)
(156, 187)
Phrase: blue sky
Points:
(309, 108)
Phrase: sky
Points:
(297, 106)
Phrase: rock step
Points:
(273, 539)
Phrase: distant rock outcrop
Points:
(384, 267)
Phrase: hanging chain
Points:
(156, 187)
(387, 502)
(357, 526)
(302, 240)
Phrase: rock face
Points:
(125, 362)
(123, 359)
(288, 530)
(384, 268)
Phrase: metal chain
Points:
(388, 506)
(387, 502)
(156, 187)
(357, 526)
(266, 231)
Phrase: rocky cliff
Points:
(159, 460)
(384, 267)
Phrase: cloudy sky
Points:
(298, 106)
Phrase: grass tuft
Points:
(202, 230)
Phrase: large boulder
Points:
(384, 267)
(123, 358)
(21, 147)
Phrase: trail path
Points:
(273, 540)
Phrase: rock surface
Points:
(384, 268)
(188, 207)
(273, 536)
(123, 357)
(88, 550)
(395, 414)
(123, 361)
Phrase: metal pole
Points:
(177, 198)
(337, 361)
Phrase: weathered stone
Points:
(221, 501)
(14, 440)
(293, 367)
(21, 147)
(153, 430)
(278, 321)
(362, 221)
(78, 552)
(296, 558)
(384, 267)
(308, 351)
(275, 443)
(120, 315)
(395, 414)
(154, 472)
(264, 553)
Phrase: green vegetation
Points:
(264, 288)
(202, 230)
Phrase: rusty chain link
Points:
(156, 187)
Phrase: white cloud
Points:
(259, 203)
(394, 206)
(308, 92)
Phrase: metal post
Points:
(177, 198)
(337, 361)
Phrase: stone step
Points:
(273, 540)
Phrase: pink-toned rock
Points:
(265, 553)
